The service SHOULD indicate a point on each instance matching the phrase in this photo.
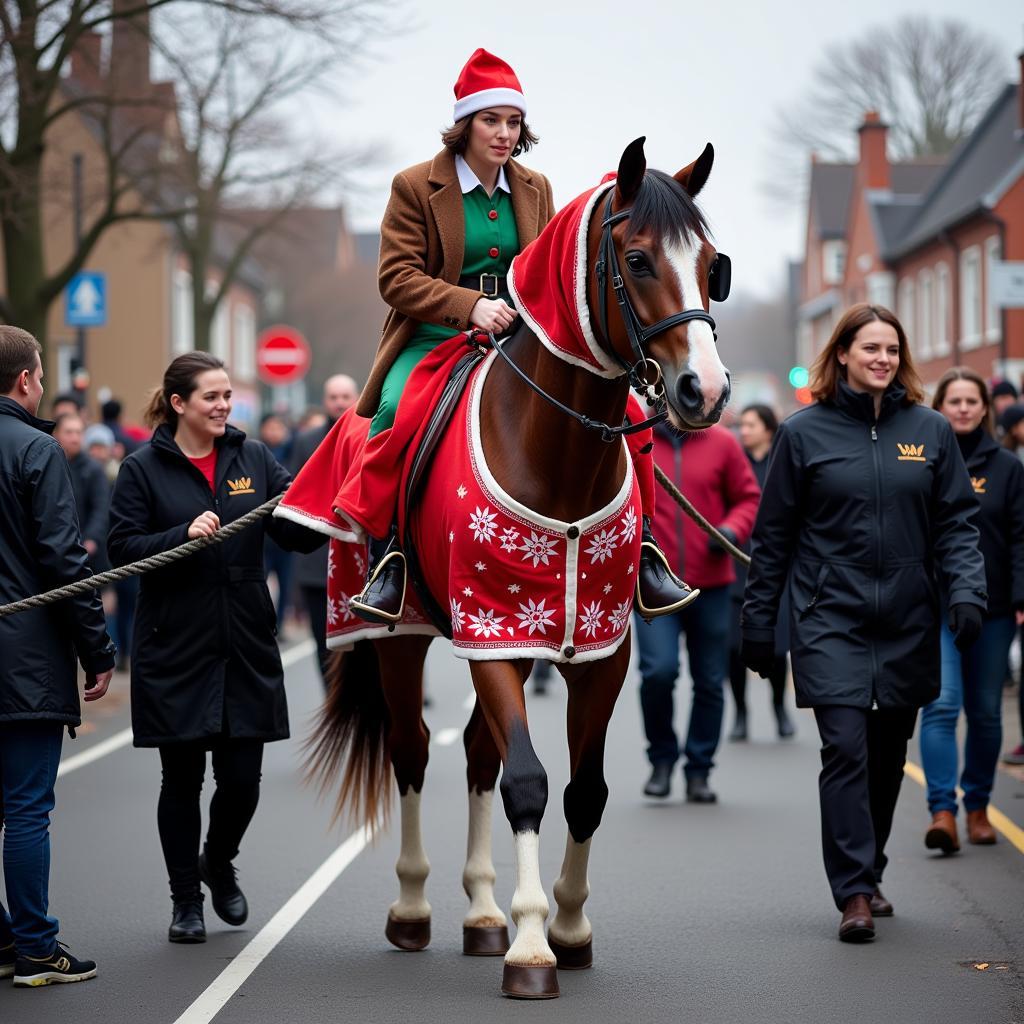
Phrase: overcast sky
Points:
(596, 75)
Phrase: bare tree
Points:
(38, 38)
(930, 80)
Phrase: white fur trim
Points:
(345, 641)
(316, 523)
(606, 367)
(501, 97)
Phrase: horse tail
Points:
(350, 739)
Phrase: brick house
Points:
(921, 237)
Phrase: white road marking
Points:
(446, 737)
(228, 982)
(124, 738)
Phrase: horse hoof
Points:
(573, 958)
(489, 940)
(410, 936)
(520, 981)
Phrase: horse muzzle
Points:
(693, 404)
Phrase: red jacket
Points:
(709, 467)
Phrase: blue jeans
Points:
(706, 625)
(972, 681)
(29, 755)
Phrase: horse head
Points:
(655, 271)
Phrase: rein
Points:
(652, 391)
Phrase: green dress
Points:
(492, 241)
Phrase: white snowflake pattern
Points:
(332, 611)
(619, 616)
(514, 588)
(602, 545)
(468, 591)
(509, 538)
(629, 569)
(339, 610)
(462, 492)
(481, 522)
(330, 562)
(451, 536)
(539, 548)
(486, 623)
(590, 620)
(360, 560)
(535, 616)
(480, 567)
(607, 588)
(628, 526)
(458, 616)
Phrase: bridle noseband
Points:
(651, 391)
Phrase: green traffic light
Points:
(798, 376)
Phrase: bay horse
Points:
(549, 461)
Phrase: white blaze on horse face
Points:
(412, 866)
(478, 876)
(703, 357)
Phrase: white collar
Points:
(468, 179)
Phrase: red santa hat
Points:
(487, 81)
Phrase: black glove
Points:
(714, 547)
(965, 623)
(758, 656)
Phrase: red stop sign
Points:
(282, 355)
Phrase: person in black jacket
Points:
(206, 672)
(92, 490)
(973, 680)
(866, 505)
(40, 549)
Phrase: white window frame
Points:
(182, 335)
(881, 288)
(943, 326)
(220, 337)
(971, 309)
(243, 323)
(905, 299)
(833, 261)
(993, 314)
(925, 314)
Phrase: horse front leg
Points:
(530, 966)
(401, 661)
(484, 930)
(592, 694)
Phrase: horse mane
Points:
(663, 207)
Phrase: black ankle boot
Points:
(228, 900)
(383, 598)
(659, 591)
(187, 923)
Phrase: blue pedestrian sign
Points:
(85, 300)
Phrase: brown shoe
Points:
(979, 828)
(880, 906)
(857, 924)
(942, 834)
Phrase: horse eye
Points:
(637, 262)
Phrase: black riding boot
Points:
(659, 591)
(383, 598)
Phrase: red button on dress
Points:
(493, 251)
(493, 214)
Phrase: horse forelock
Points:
(663, 209)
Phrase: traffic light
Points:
(798, 380)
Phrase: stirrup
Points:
(360, 603)
(654, 613)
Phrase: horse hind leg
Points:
(401, 661)
(484, 928)
(530, 965)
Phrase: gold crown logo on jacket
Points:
(243, 485)
(910, 453)
(978, 483)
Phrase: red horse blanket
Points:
(517, 584)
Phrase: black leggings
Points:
(236, 772)
(738, 680)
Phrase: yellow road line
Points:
(1000, 822)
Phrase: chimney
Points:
(85, 59)
(129, 51)
(874, 164)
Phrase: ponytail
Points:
(180, 378)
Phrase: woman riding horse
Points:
(450, 232)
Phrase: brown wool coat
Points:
(421, 250)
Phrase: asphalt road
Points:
(701, 914)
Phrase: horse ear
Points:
(692, 178)
(632, 168)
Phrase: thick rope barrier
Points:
(157, 561)
(683, 502)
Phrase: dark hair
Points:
(64, 416)
(456, 138)
(111, 409)
(663, 207)
(827, 370)
(18, 353)
(68, 396)
(180, 379)
(1004, 387)
(765, 414)
(965, 373)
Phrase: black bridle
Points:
(651, 391)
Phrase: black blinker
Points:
(720, 278)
